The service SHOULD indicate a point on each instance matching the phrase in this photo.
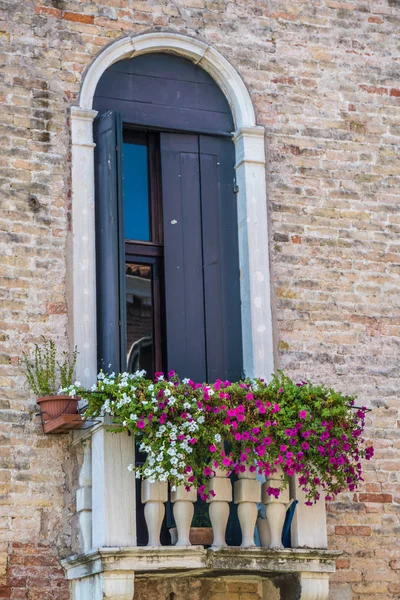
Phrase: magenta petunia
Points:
(303, 414)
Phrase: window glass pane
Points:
(136, 192)
(139, 317)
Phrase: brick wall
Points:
(221, 588)
(323, 75)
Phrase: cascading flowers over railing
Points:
(188, 429)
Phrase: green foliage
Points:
(201, 517)
(45, 373)
(292, 428)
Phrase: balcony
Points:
(111, 558)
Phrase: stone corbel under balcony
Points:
(296, 573)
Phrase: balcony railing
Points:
(106, 504)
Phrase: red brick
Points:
(342, 563)
(381, 498)
(358, 530)
(394, 92)
(56, 308)
(79, 18)
(296, 239)
(46, 10)
(373, 89)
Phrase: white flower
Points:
(167, 393)
(174, 460)
(186, 380)
(160, 378)
(100, 376)
(124, 423)
(150, 387)
(131, 468)
(173, 488)
(217, 437)
(201, 420)
(93, 388)
(186, 405)
(133, 417)
(162, 429)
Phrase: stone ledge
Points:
(189, 560)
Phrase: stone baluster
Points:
(264, 532)
(275, 508)
(153, 497)
(84, 497)
(247, 495)
(221, 485)
(183, 500)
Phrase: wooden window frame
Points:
(151, 252)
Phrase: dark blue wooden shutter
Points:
(110, 263)
(220, 259)
(202, 280)
(184, 300)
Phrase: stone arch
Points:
(251, 197)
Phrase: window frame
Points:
(151, 252)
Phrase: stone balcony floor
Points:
(190, 560)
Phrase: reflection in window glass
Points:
(139, 318)
(136, 192)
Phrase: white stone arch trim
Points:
(252, 205)
(198, 52)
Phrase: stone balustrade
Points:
(110, 555)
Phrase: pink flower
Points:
(212, 448)
(226, 461)
(193, 441)
(212, 493)
(140, 423)
(303, 414)
(249, 396)
(280, 390)
(207, 472)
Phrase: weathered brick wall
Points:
(221, 588)
(323, 75)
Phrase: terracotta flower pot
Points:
(199, 536)
(52, 407)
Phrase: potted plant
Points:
(49, 378)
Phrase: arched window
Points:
(168, 288)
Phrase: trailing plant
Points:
(45, 374)
(308, 430)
